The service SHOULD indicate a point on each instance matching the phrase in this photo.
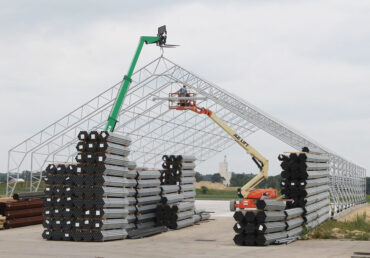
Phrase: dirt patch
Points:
(354, 214)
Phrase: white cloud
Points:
(304, 62)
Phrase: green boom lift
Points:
(160, 41)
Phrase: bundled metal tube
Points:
(239, 216)
(189, 194)
(111, 202)
(172, 198)
(183, 223)
(155, 174)
(292, 213)
(148, 200)
(316, 206)
(316, 166)
(165, 189)
(186, 188)
(148, 191)
(111, 213)
(270, 216)
(183, 215)
(115, 138)
(293, 223)
(295, 232)
(271, 205)
(310, 157)
(112, 148)
(266, 239)
(187, 180)
(29, 196)
(187, 173)
(108, 235)
(270, 227)
(131, 165)
(111, 170)
(183, 206)
(111, 159)
(110, 224)
(146, 208)
(148, 183)
(317, 174)
(315, 190)
(316, 198)
(317, 182)
(187, 165)
(114, 181)
(145, 225)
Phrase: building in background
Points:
(224, 172)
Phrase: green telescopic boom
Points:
(160, 40)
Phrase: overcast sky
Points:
(305, 62)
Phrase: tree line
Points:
(239, 180)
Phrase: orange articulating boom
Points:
(248, 192)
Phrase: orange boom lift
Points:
(248, 192)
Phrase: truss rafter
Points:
(156, 130)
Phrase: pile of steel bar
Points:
(305, 180)
(272, 222)
(90, 200)
(29, 196)
(178, 193)
(306, 203)
(143, 202)
(14, 213)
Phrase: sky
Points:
(306, 63)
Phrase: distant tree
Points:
(217, 178)
(241, 179)
(198, 177)
(367, 185)
(204, 189)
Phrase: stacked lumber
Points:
(15, 214)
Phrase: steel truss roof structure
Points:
(156, 130)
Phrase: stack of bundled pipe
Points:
(177, 192)
(271, 223)
(21, 213)
(89, 201)
(143, 200)
(305, 180)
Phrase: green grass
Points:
(21, 187)
(358, 229)
(368, 198)
(213, 194)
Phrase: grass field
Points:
(215, 194)
(368, 198)
(358, 229)
(21, 187)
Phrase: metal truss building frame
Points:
(156, 130)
